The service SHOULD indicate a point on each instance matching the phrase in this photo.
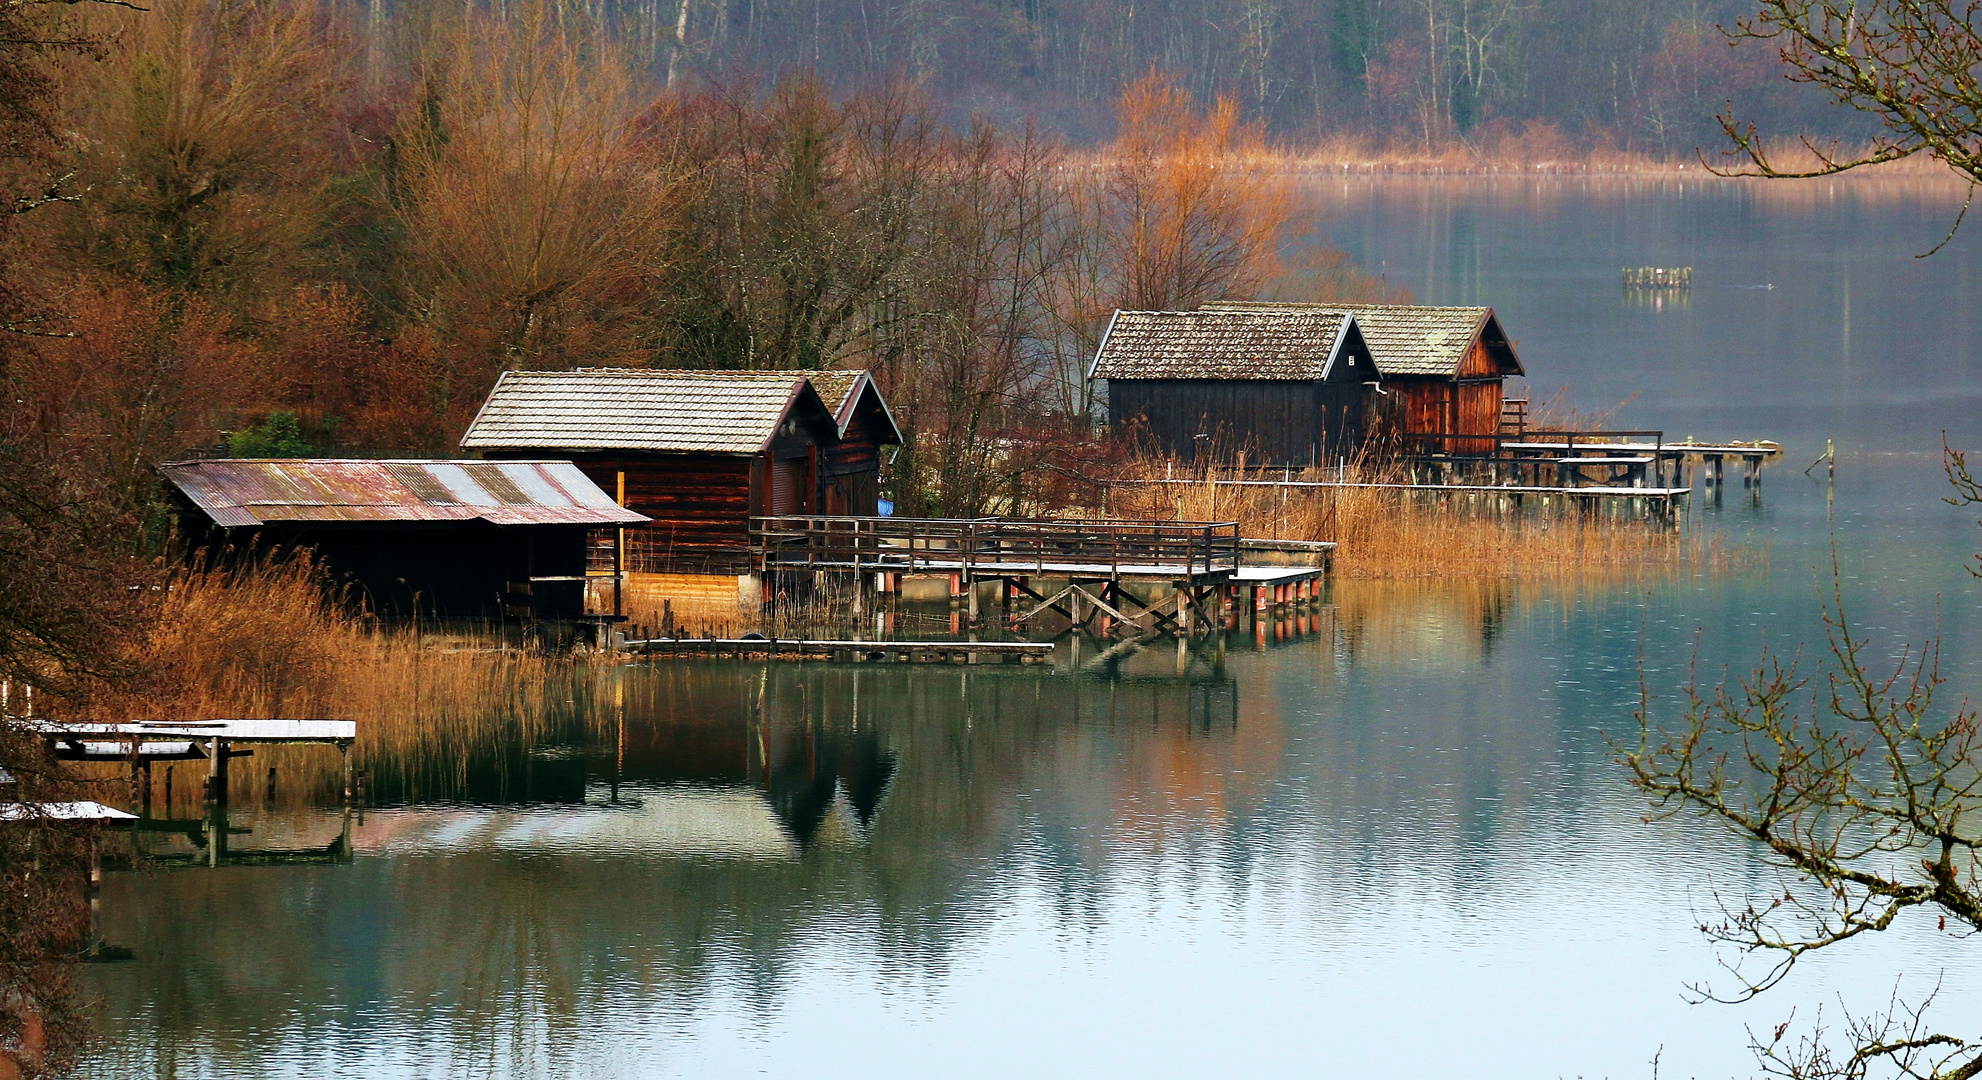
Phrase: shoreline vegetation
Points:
(1547, 153)
(271, 638)
(1389, 534)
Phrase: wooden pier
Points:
(849, 650)
(1599, 464)
(142, 744)
(1179, 566)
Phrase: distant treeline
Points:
(1640, 75)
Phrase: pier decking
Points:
(141, 743)
(849, 650)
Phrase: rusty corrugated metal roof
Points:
(1263, 344)
(268, 491)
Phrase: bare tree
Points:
(1859, 783)
(525, 204)
(1912, 64)
(1181, 208)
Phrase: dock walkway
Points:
(143, 742)
(848, 650)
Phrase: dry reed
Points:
(267, 639)
(1391, 533)
(1544, 151)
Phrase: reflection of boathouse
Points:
(706, 780)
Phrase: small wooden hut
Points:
(1283, 387)
(446, 539)
(700, 453)
(1444, 371)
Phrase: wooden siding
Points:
(1439, 406)
(700, 505)
(1274, 423)
(850, 471)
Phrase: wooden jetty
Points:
(143, 743)
(82, 811)
(216, 742)
(1096, 559)
(1605, 464)
(849, 650)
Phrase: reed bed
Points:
(268, 639)
(1541, 149)
(1387, 533)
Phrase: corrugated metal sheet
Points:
(1404, 339)
(248, 491)
(723, 412)
(1279, 343)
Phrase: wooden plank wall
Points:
(1273, 422)
(700, 505)
(851, 470)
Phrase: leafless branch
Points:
(1856, 782)
(53, 193)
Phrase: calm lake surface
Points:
(1389, 839)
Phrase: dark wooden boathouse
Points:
(1443, 370)
(447, 539)
(1285, 387)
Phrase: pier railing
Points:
(991, 547)
(1530, 440)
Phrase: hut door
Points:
(788, 487)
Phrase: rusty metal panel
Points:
(242, 492)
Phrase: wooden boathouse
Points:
(700, 454)
(1443, 372)
(418, 538)
(1284, 386)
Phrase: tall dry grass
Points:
(1389, 533)
(267, 639)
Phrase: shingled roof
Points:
(722, 412)
(1407, 339)
(1222, 344)
(236, 492)
(842, 388)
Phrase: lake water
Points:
(1389, 839)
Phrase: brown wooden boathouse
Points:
(700, 453)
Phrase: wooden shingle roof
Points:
(842, 389)
(1411, 339)
(1222, 344)
(639, 409)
